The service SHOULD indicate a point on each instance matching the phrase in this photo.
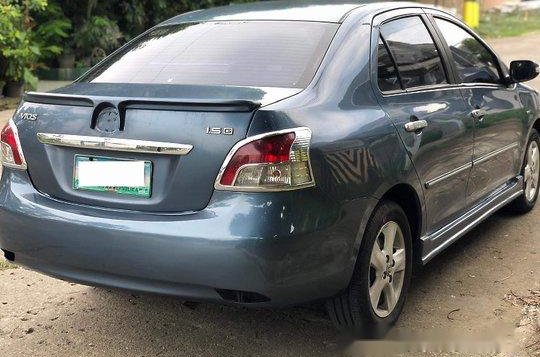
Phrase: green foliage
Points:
(52, 31)
(102, 26)
(97, 33)
(31, 5)
(17, 53)
(22, 44)
(34, 33)
(6, 265)
(10, 17)
(513, 24)
(21, 60)
(135, 16)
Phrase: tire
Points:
(352, 310)
(530, 171)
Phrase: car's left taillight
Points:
(11, 153)
(276, 161)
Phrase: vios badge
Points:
(29, 116)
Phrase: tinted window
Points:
(259, 54)
(474, 62)
(386, 70)
(417, 58)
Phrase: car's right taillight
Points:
(11, 153)
(276, 161)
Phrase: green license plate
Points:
(117, 176)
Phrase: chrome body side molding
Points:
(113, 144)
(470, 165)
(448, 175)
(495, 153)
(439, 240)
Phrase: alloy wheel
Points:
(532, 171)
(387, 269)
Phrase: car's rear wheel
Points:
(372, 303)
(531, 176)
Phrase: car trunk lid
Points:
(204, 121)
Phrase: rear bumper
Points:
(288, 247)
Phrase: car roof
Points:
(299, 10)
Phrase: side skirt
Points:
(438, 241)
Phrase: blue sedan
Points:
(272, 154)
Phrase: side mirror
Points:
(522, 71)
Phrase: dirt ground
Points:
(486, 285)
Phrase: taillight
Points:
(12, 155)
(276, 161)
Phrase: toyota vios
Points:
(272, 154)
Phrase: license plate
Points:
(122, 177)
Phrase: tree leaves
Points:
(19, 51)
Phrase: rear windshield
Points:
(253, 53)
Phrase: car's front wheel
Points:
(531, 176)
(372, 303)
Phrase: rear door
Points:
(415, 89)
(499, 118)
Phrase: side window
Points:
(386, 70)
(474, 62)
(417, 58)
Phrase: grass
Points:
(4, 264)
(505, 25)
(9, 103)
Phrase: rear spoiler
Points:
(122, 103)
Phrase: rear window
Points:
(254, 53)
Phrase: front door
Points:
(499, 117)
(429, 114)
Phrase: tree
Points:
(133, 16)
(34, 33)
(18, 53)
(101, 26)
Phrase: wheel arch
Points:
(405, 196)
(536, 125)
(409, 200)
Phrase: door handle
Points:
(416, 126)
(478, 114)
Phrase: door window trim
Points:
(439, 45)
(432, 16)
(394, 63)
